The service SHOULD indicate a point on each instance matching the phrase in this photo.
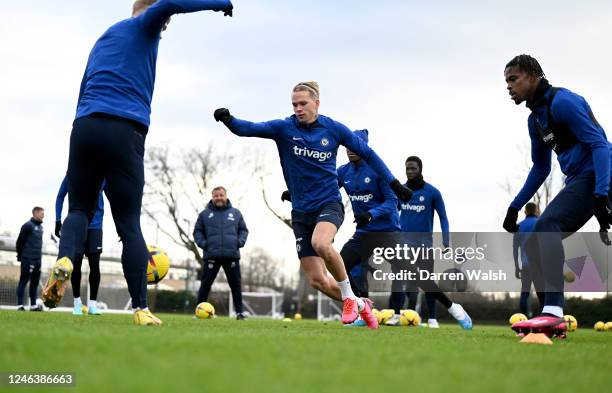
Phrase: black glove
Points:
(227, 11)
(517, 273)
(19, 257)
(286, 196)
(363, 219)
(510, 220)
(223, 115)
(58, 228)
(602, 213)
(404, 193)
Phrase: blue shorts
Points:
(303, 225)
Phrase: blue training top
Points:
(416, 216)
(308, 156)
(590, 154)
(520, 237)
(368, 193)
(120, 72)
(96, 221)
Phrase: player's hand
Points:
(363, 219)
(19, 257)
(517, 273)
(602, 213)
(510, 220)
(223, 115)
(227, 11)
(286, 196)
(404, 193)
(58, 228)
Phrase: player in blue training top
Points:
(307, 145)
(416, 221)
(523, 273)
(375, 208)
(560, 121)
(107, 142)
(92, 248)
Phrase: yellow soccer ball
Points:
(608, 327)
(205, 311)
(158, 266)
(571, 322)
(599, 326)
(297, 316)
(385, 315)
(518, 317)
(411, 317)
(286, 320)
(569, 277)
(84, 309)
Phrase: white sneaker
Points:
(433, 324)
(393, 321)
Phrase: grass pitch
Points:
(109, 354)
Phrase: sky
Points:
(426, 78)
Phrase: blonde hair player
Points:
(307, 144)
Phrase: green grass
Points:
(108, 353)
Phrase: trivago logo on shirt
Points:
(361, 198)
(414, 208)
(320, 156)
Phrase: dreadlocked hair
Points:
(526, 64)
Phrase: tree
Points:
(177, 190)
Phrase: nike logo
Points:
(326, 214)
(99, 248)
(347, 182)
(296, 138)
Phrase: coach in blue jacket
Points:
(220, 232)
(29, 253)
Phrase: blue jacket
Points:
(590, 154)
(30, 242)
(417, 215)
(120, 72)
(220, 232)
(369, 193)
(308, 156)
(96, 221)
(520, 237)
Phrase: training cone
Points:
(537, 338)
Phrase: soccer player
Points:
(560, 121)
(416, 219)
(307, 144)
(107, 141)
(375, 207)
(221, 232)
(92, 248)
(29, 253)
(525, 228)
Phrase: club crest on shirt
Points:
(422, 198)
(210, 215)
(367, 180)
(324, 142)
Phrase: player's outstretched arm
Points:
(157, 14)
(59, 204)
(541, 158)
(267, 129)
(361, 148)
